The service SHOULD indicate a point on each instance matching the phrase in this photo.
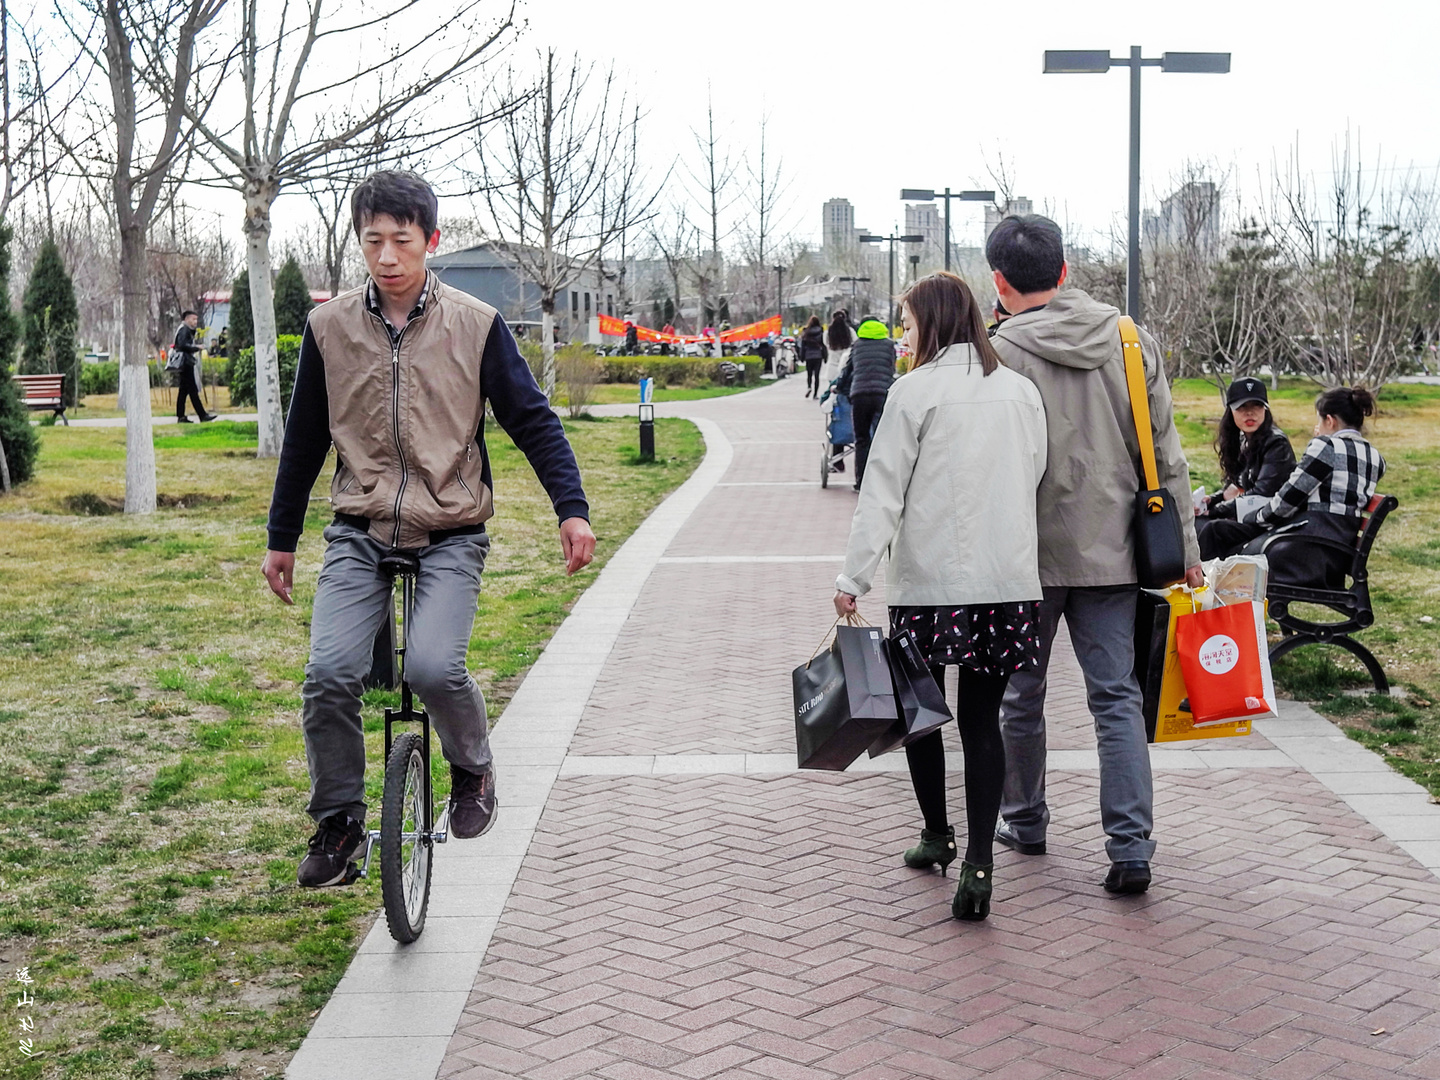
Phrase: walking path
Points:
(664, 895)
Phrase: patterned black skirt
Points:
(994, 639)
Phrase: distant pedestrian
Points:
(869, 371)
(766, 352)
(950, 495)
(838, 339)
(632, 338)
(1069, 346)
(812, 354)
(189, 366)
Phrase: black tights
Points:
(977, 711)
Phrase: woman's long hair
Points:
(814, 323)
(839, 336)
(1234, 447)
(945, 313)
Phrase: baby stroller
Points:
(839, 432)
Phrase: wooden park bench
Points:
(44, 392)
(1351, 602)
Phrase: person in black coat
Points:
(189, 365)
(1255, 457)
(866, 379)
(811, 348)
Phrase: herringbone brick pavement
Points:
(764, 927)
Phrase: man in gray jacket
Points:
(1068, 345)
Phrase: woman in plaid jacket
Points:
(1326, 494)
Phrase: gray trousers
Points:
(350, 605)
(1101, 621)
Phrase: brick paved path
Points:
(691, 906)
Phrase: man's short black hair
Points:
(397, 194)
(1029, 250)
(187, 313)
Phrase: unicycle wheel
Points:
(405, 850)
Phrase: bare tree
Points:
(670, 238)
(329, 193)
(765, 195)
(1249, 311)
(711, 177)
(1181, 249)
(147, 104)
(563, 181)
(264, 149)
(1350, 247)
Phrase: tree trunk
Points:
(259, 197)
(547, 344)
(135, 375)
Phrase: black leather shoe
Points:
(328, 862)
(184, 420)
(472, 802)
(209, 418)
(1005, 834)
(1128, 878)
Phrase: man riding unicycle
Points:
(396, 375)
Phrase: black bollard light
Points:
(647, 432)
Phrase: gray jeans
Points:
(350, 605)
(1101, 621)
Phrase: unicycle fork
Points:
(408, 830)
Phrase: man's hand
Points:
(1195, 576)
(844, 604)
(577, 544)
(279, 571)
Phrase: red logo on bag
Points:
(1219, 654)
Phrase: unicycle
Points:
(408, 831)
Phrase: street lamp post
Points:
(852, 281)
(893, 239)
(929, 195)
(1098, 61)
(780, 294)
(914, 267)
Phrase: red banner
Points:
(613, 327)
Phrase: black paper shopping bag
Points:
(921, 702)
(844, 699)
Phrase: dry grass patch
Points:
(149, 697)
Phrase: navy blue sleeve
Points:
(302, 455)
(525, 414)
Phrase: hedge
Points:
(678, 370)
(104, 378)
(242, 372)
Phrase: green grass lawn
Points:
(1404, 573)
(629, 393)
(149, 735)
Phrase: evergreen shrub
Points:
(242, 372)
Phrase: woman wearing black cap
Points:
(1255, 458)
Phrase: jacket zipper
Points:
(462, 479)
(395, 417)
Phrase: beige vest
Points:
(404, 419)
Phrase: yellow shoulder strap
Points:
(1139, 398)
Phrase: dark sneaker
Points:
(1128, 878)
(472, 802)
(208, 417)
(184, 420)
(328, 863)
(1005, 834)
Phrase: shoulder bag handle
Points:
(1139, 398)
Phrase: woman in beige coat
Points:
(949, 493)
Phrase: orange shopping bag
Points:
(1226, 665)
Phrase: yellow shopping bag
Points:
(1157, 667)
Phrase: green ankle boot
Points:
(934, 847)
(972, 898)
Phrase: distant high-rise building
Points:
(925, 219)
(1190, 215)
(838, 226)
(1018, 205)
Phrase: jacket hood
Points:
(1073, 330)
(871, 330)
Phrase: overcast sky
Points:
(866, 97)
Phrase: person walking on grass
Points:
(1068, 345)
(950, 494)
(396, 375)
(189, 366)
(866, 379)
